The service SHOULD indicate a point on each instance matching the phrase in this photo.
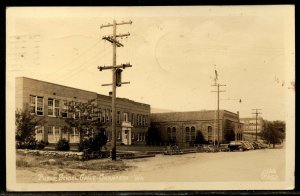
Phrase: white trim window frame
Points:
(53, 107)
(36, 104)
(64, 108)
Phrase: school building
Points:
(50, 101)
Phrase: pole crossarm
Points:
(112, 40)
(114, 67)
(112, 84)
(120, 23)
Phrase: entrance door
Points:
(126, 137)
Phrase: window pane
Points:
(32, 104)
(50, 107)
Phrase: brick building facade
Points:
(50, 100)
(183, 126)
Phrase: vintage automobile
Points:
(224, 148)
(236, 146)
(261, 144)
(247, 145)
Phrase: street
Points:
(255, 165)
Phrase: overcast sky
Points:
(174, 52)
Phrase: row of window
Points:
(171, 134)
(190, 134)
(57, 108)
(55, 133)
(134, 136)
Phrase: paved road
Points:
(255, 165)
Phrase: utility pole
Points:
(218, 113)
(116, 75)
(256, 114)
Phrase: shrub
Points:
(40, 145)
(62, 145)
(27, 144)
(93, 144)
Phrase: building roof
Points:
(98, 95)
(185, 116)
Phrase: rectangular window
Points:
(138, 137)
(40, 106)
(132, 119)
(50, 130)
(64, 109)
(100, 114)
(50, 107)
(75, 135)
(143, 120)
(56, 107)
(140, 120)
(146, 120)
(132, 135)
(119, 135)
(125, 116)
(118, 117)
(56, 134)
(36, 105)
(107, 115)
(103, 115)
(53, 107)
(32, 104)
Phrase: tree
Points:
(273, 132)
(86, 119)
(26, 124)
(200, 138)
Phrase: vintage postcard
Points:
(150, 98)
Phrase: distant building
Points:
(250, 125)
(182, 127)
(51, 101)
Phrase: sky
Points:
(174, 52)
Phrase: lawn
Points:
(33, 168)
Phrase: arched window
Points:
(169, 133)
(187, 135)
(209, 134)
(193, 134)
(174, 133)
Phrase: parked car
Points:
(209, 148)
(261, 144)
(255, 145)
(247, 145)
(236, 146)
(224, 148)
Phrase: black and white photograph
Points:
(150, 98)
